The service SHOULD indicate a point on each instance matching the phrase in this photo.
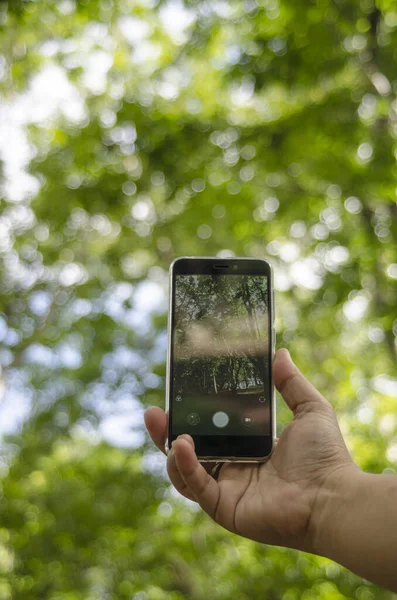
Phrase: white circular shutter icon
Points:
(220, 419)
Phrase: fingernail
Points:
(187, 437)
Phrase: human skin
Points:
(309, 494)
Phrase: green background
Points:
(132, 132)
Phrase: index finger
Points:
(198, 481)
(156, 422)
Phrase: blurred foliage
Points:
(133, 132)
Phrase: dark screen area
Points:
(220, 373)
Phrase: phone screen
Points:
(220, 347)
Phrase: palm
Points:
(270, 502)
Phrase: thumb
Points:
(292, 384)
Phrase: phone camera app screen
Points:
(220, 378)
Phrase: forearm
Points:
(356, 524)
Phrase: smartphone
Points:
(221, 341)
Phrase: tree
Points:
(255, 128)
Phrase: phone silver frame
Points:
(206, 459)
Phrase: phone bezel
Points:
(260, 446)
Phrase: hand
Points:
(274, 502)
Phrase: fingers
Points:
(174, 473)
(200, 483)
(292, 384)
(156, 423)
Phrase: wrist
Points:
(332, 509)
